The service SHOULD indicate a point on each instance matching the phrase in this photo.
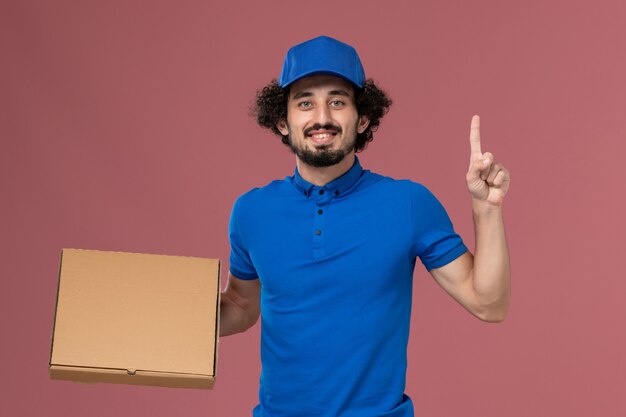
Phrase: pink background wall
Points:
(124, 126)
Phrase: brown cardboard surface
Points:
(136, 319)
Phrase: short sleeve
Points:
(435, 241)
(241, 265)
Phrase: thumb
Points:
(479, 166)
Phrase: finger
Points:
(495, 169)
(475, 138)
(499, 179)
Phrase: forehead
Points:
(320, 84)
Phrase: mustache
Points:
(318, 126)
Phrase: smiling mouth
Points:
(322, 138)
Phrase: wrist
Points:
(484, 208)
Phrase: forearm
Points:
(491, 274)
(235, 317)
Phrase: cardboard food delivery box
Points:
(133, 318)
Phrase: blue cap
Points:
(322, 55)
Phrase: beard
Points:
(321, 156)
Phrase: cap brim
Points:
(320, 72)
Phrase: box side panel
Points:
(116, 376)
(56, 306)
(217, 317)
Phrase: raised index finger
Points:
(475, 138)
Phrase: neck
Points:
(321, 176)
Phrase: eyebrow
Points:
(302, 94)
(305, 93)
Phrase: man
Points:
(327, 256)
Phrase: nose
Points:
(323, 115)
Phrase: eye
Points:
(337, 103)
(305, 104)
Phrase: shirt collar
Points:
(337, 186)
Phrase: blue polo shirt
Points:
(336, 267)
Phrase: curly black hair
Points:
(271, 107)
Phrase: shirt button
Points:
(318, 232)
(320, 211)
(336, 192)
(321, 192)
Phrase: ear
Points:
(364, 122)
(282, 128)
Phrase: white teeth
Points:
(321, 135)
